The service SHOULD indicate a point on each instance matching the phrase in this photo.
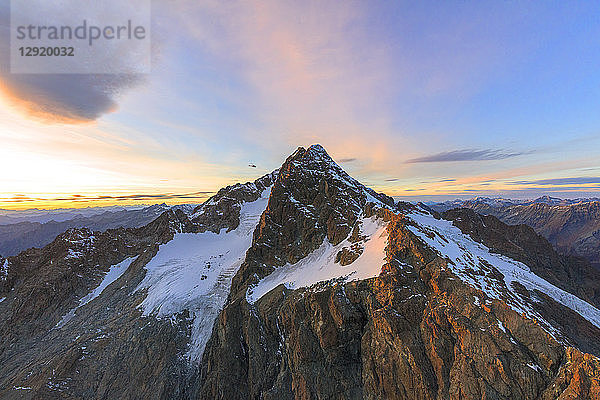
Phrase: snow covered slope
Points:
(112, 275)
(194, 272)
(477, 266)
(321, 264)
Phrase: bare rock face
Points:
(348, 255)
(578, 379)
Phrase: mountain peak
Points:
(318, 149)
(318, 164)
(312, 200)
(314, 152)
(547, 200)
(316, 161)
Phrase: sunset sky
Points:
(429, 100)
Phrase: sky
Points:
(427, 100)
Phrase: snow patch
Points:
(194, 272)
(501, 326)
(73, 254)
(320, 265)
(4, 270)
(112, 275)
(534, 367)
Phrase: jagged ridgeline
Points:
(303, 284)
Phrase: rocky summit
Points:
(303, 284)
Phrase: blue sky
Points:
(416, 99)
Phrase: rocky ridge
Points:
(24, 234)
(572, 227)
(522, 243)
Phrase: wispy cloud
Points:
(74, 198)
(306, 68)
(466, 155)
(581, 180)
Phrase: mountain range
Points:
(21, 230)
(502, 202)
(303, 284)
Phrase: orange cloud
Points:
(43, 111)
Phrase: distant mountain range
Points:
(21, 230)
(571, 225)
(60, 214)
(502, 202)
